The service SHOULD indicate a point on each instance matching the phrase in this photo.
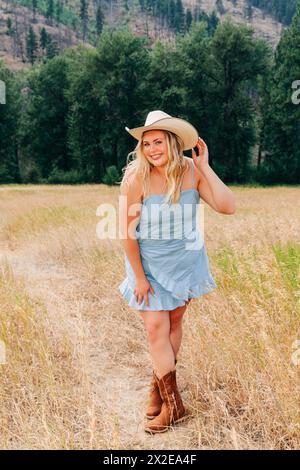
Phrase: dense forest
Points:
(62, 121)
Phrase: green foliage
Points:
(111, 176)
(281, 114)
(58, 176)
(43, 127)
(64, 120)
(10, 30)
(9, 120)
(31, 46)
(288, 260)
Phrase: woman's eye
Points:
(158, 142)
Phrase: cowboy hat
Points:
(163, 121)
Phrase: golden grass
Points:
(235, 365)
(45, 397)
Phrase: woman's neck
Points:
(159, 171)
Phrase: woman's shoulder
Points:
(131, 181)
(191, 166)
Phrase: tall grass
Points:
(235, 366)
(45, 396)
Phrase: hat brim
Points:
(178, 126)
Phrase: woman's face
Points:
(155, 148)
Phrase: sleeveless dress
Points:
(172, 252)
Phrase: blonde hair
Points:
(175, 168)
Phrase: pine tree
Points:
(235, 62)
(179, 17)
(9, 121)
(31, 46)
(84, 17)
(34, 8)
(220, 7)
(213, 22)
(248, 11)
(282, 114)
(58, 10)
(50, 11)
(10, 30)
(43, 38)
(99, 20)
(188, 19)
(51, 48)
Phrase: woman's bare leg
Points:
(157, 324)
(176, 317)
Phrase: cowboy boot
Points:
(155, 400)
(172, 411)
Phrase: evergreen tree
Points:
(236, 61)
(220, 7)
(282, 115)
(10, 30)
(188, 19)
(51, 48)
(50, 11)
(31, 46)
(43, 134)
(171, 14)
(213, 22)
(9, 120)
(248, 11)
(84, 17)
(99, 20)
(179, 17)
(34, 8)
(58, 10)
(43, 38)
(218, 74)
(110, 94)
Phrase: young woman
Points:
(165, 271)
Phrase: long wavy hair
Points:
(176, 166)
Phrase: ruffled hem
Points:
(182, 290)
(166, 301)
(155, 302)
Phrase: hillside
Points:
(68, 31)
(265, 26)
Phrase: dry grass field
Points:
(76, 369)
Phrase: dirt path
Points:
(119, 392)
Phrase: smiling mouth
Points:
(156, 158)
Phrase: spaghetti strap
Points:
(193, 174)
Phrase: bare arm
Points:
(214, 192)
(210, 187)
(130, 211)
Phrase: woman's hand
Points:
(201, 161)
(142, 286)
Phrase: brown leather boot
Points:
(172, 411)
(155, 400)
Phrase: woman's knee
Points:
(176, 317)
(157, 326)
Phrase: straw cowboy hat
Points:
(163, 121)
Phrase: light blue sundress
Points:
(172, 252)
